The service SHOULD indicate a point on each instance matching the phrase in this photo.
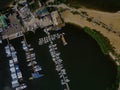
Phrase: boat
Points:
(12, 69)
(31, 49)
(14, 76)
(37, 75)
(32, 63)
(7, 50)
(21, 87)
(19, 74)
(15, 83)
(37, 68)
(12, 48)
(15, 59)
(31, 59)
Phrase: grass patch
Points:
(106, 47)
(102, 41)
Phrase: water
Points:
(4, 3)
(87, 67)
(104, 5)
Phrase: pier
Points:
(58, 62)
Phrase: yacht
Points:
(15, 59)
(37, 68)
(21, 87)
(15, 83)
(11, 62)
(31, 49)
(32, 63)
(12, 48)
(31, 59)
(12, 69)
(14, 76)
(19, 74)
(37, 75)
(7, 50)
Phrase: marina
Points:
(17, 81)
(40, 52)
(30, 57)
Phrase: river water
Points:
(87, 67)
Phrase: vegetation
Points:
(75, 6)
(101, 40)
(89, 19)
(33, 6)
(75, 12)
(106, 48)
(5, 10)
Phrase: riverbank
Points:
(107, 49)
(108, 18)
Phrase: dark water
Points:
(86, 66)
(4, 3)
(105, 5)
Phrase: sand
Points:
(112, 19)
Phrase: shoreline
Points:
(107, 18)
(75, 19)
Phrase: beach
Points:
(110, 19)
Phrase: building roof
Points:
(2, 19)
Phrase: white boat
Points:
(16, 67)
(25, 48)
(12, 69)
(33, 55)
(32, 59)
(62, 82)
(32, 63)
(13, 53)
(63, 71)
(12, 48)
(10, 61)
(11, 65)
(7, 50)
(14, 76)
(57, 57)
(15, 60)
(60, 60)
(57, 54)
(19, 74)
(37, 68)
(31, 49)
(21, 87)
(28, 57)
(23, 42)
(15, 83)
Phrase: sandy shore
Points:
(112, 19)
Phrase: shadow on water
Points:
(87, 67)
